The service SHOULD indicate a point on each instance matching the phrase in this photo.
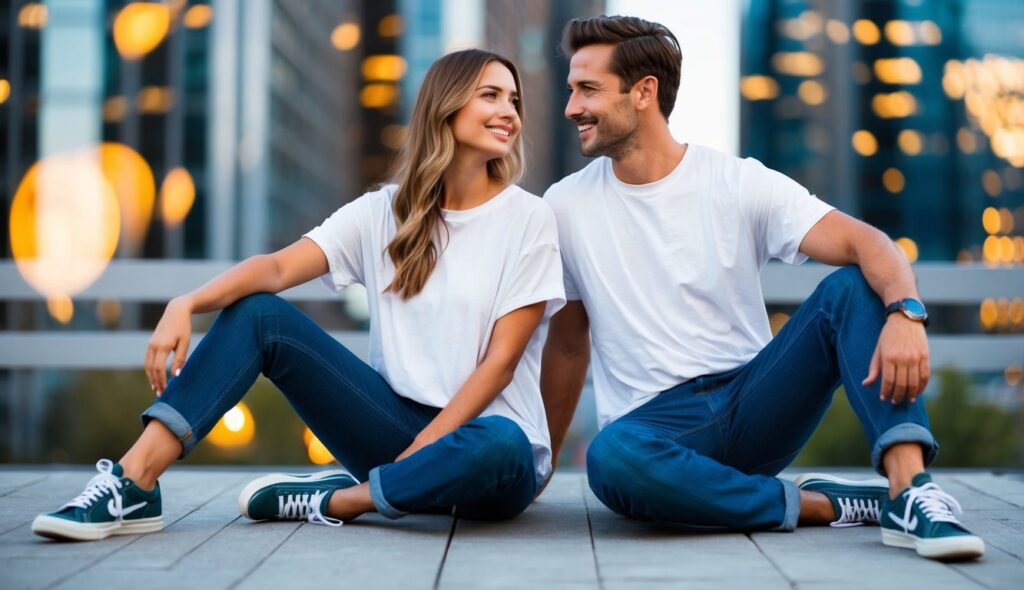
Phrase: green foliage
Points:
(97, 415)
(971, 432)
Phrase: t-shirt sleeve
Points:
(341, 238)
(572, 293)
(537, 272)
(779, 210)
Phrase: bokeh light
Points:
(140, 27)
(235, 429)
(177, 194)
(315, 450)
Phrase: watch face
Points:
(914, 308)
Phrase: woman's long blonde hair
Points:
(426, 155)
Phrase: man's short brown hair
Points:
(642, 48)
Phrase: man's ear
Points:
(645, 93)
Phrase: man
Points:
(700, 408)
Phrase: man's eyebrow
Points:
(594, 83)
(498, 88)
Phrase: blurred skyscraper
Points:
(906, 113)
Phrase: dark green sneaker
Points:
(855, 502)
(280, 496)
(109, 505)
(924, 518)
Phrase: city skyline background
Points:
(216, 130)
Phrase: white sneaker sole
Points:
(257, 484)
(835, 479)
(959, 547)
(61, 528)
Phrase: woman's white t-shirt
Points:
(494, 259)
(669, 272)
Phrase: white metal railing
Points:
(156, 281)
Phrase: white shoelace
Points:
(936, 504)
(297, 506)
(856, 510)
(105, 481)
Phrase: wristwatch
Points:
(912, 308)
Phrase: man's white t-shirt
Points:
(669, 271)
(494, 259)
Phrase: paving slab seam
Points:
(984, 493)
(444, 554)
(590, 531)
(792, 583)
(23, 486)
(969, 577)
(246, 575)
(136, 538)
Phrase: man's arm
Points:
(563, 370)
(901, 356)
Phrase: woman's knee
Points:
(501, 442)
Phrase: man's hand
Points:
(901, 358)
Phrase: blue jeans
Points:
(706, 452)
(484, 469)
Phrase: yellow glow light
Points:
(866, 32)
(909, 248)
(154, 100)
(991, 182)
(798, 63)
(140, 27)
(990, 220)
(1017, 313)
(390, 26)
(1018, 248)
(177, 194)
(1006, 221)
(61, 308)
(776, 321)
(988, 312)
(64, 224)
(894, 105)
(910, 142)
(893, 180)
(759, 87)
(114, 109)
(953, 79)
(898, 70)
(345, 36)
(837, 31)
(32, 16)
(198, 16)
(132, 180)
(1014, 373)
(5, 90)
(235, 429)
(990, 250)
(317, 452)
(930, 33)
(389, 68)
(378, 96)
(966, 141)
(812, 92)
(899, 32)
(864, 142)
(1006, 249)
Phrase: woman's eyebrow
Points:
(498, 88)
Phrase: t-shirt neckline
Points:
(650, 188)
(467, 214)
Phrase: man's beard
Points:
(614, 138)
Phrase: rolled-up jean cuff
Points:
(792, 497)
(904, 433)
(174, 422)
(377, 495)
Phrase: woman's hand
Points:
(173, 334)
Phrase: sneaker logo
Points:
(907, 525)
(124, 511)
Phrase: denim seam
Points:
(299, 346)
(205, 417)
(790, 456)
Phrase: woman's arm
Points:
(266, 273)
(508, 341)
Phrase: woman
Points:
(460, 265)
